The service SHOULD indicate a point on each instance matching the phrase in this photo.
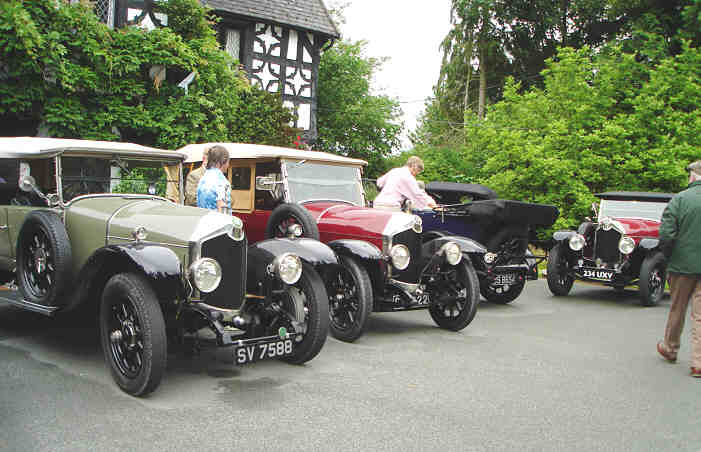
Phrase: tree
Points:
(351, 120)
(78, 78)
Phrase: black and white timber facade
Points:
(278, 42)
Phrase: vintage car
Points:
(281, 192)
(620, 248)
(81, 224)
(505, 227)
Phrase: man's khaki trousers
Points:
(684, 289)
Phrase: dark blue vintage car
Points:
(503, 227)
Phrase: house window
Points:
(104, 9)
(232, 43)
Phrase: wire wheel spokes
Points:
(563, 277)
(126, 338)
(452, 294)
(294, 311)
(39, 265)
(344, 303)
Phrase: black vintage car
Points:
(619, 247)
(80, 226)
(504, 227)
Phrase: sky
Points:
(409, 32)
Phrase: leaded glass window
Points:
(233, 43)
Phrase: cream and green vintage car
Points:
(86, 222)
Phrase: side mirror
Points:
(593, 208)
(266, 183)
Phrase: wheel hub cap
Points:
(40, 260)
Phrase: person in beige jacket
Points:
(193, 179)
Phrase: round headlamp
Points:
(489, 258)
(400, 256)
(577, 242)
(295, 230)
(237, 232)
(288, 267)
(452, 252)
(626, 245)
(206, 274)
(418, 224)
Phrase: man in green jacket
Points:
(680, 240)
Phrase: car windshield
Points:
(91, 175)
(311, 181)
(632, 209)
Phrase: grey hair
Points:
(695, 167)
(415, 162)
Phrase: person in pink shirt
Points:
(400, 184)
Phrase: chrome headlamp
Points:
(206, 274)
(489, 258)
(452, 253)
(295, 230)
(288, 267)
(139, 233)
(418, 224)
(236, 232)
(577, 242)
(626, 245)
(400, 256)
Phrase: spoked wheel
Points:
(350, 300)
(511, 248)
(133, 333)
(285, 218)
(560, 279)
(652, 279)
(454, 296)
(43, 257)
(303, 308)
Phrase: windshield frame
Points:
(289, 192)
(611, 203)
(119, 157)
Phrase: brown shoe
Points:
(666, 354)
(696, 372)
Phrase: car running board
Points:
(14, 298)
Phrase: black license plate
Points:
(505, 279)
(269, 350)
(598, 274)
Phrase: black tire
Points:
(559, 279)
(350, 300)
(451, 312)
(286, 214)
(311, 289)
(133, 333)
(514, 240)
(652, 279)
(43, 258)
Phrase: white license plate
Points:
(505, 279)
(604, 275)
(269, 350)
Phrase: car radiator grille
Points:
(607, 245)
(411, 240)
(231, 255)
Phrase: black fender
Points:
(649, 244)
(261, 255)
(368, 255)
(466, 245)
(561, 236)
(160, 265)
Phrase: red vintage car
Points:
(621, 248)
(282, 192)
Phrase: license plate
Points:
(604, 275)
(505, 279)
(268, 350)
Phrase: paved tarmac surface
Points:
(578, 373)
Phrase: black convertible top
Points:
(636, 196)
(451, 192)
(507, 211)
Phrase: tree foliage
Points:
(63, 69)
(352, 121)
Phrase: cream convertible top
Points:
(32, 147)
(255, 151)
